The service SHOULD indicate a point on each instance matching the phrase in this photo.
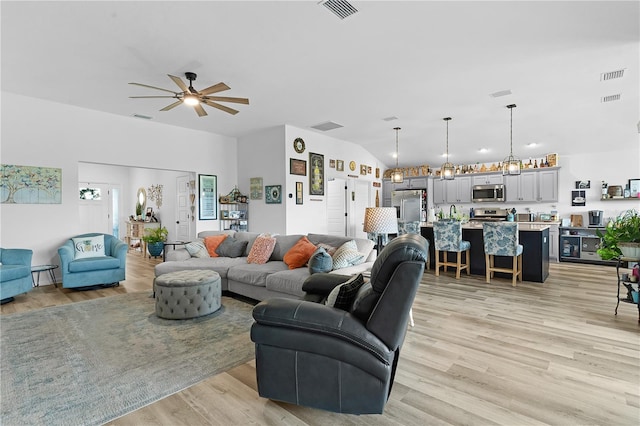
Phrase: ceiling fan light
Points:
(191, 100)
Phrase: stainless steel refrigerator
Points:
(411, 204)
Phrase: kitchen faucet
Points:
(452, 208)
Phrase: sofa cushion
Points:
(197, 249)
(85, 247)
(347, 255)
(320, 261)
(252, 274)
(249, 237)
(219, 264)
(212, 242)
(94, 264)
(261, 249)
(231, 247)
(288, 281)
(283, 245)
(13, 272)
(299, 254)
(343, 295)
(364, 245)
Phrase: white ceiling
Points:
(299, 64)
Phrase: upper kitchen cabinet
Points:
(493, 179)
(458, 190)
(532, 186)
(439, 192)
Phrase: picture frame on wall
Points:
(634, 188)
(208, 205)
(363, 169)
(316, 174)
(340, 165)
(297, 167)
(332, 163)
(299, 193)
(255, 188)
(273, 194)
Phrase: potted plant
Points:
(155, 239)
(621, 237)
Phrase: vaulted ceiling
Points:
(299, 64)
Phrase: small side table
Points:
(621, 281)
(43, 268)
(173, 245)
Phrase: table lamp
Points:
(380, 221)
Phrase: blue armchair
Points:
(15, 273)
(90, 271)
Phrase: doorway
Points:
(99, 206)
(346, 203)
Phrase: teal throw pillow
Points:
(320, 261)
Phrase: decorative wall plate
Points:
(273, 194)
(298, 145)
(352, 165)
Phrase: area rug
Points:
(90, 362)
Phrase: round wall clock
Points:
(352, 165)
(298, 145)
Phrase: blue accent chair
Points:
(447, 237)
(501, 239)
(15, 273)
(85, 272)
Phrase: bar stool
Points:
(447, 237)
(501, 239)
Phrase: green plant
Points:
(138, 209)
(156, 235)
(623, 229)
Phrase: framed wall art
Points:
(255, 188)
(297, 167)
(273, 194)
(363, 169)
(208, 205)
(30, 185)
(340, 165)
(316, 174)
(332, 164)
(299, 193)
(634, 188)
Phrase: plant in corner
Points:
(155, 238)
(621, 236)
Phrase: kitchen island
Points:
(533, 237)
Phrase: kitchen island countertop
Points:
(522, 226)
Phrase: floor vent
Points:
(328, 125)
(611, 75)
(341, 8)
(144, 117)
(611, 98)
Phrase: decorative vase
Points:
(630, 250)
(155, 249)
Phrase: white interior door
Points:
(336, 207)
(95, 208)
(358, 200)
(183, 205)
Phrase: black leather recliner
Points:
(323, 357)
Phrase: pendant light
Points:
(397, 175)
(447, 171)
(511, 164)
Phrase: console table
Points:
(136, 230)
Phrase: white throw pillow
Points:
(347, 255)
(88, 247)
(197, 249)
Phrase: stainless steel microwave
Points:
(488, 193)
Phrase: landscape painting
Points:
(30, 185)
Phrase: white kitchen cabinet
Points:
(493, 179)
(532, 186)
(439, 193)
(554, 241)
(458, 190)
(548, 185)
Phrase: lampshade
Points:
(397, 175)
(511, 164)
(381, 220)
(448, 170)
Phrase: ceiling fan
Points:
(195, 98)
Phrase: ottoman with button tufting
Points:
(187, 294)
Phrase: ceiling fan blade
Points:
(153, 87)
(173, 105)
(221, 107)
(179, 82)
(214, 89)
(138, 97)
(201, 112)
(227, 99)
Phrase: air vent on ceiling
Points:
(501, 93)
(611, 75)
(144, 117)
(611, 98)
(341, 8)
(393, 117)
(327, 125)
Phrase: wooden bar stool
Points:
(447, 237)
(501, 239)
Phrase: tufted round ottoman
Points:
(187, 294)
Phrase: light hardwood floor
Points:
(479, 354)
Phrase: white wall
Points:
(41, 133)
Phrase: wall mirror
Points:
(142, 199)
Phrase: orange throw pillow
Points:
(212, 242)
(299, 254)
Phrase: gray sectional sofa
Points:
(272, 279)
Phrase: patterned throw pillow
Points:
(299, 254)
(261, 249)
(342, 296)
(230, 247)
(88, 247)
(197, 249)
(320, 261)
(212, 242)
(347, 255)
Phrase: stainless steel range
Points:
(490, 215)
